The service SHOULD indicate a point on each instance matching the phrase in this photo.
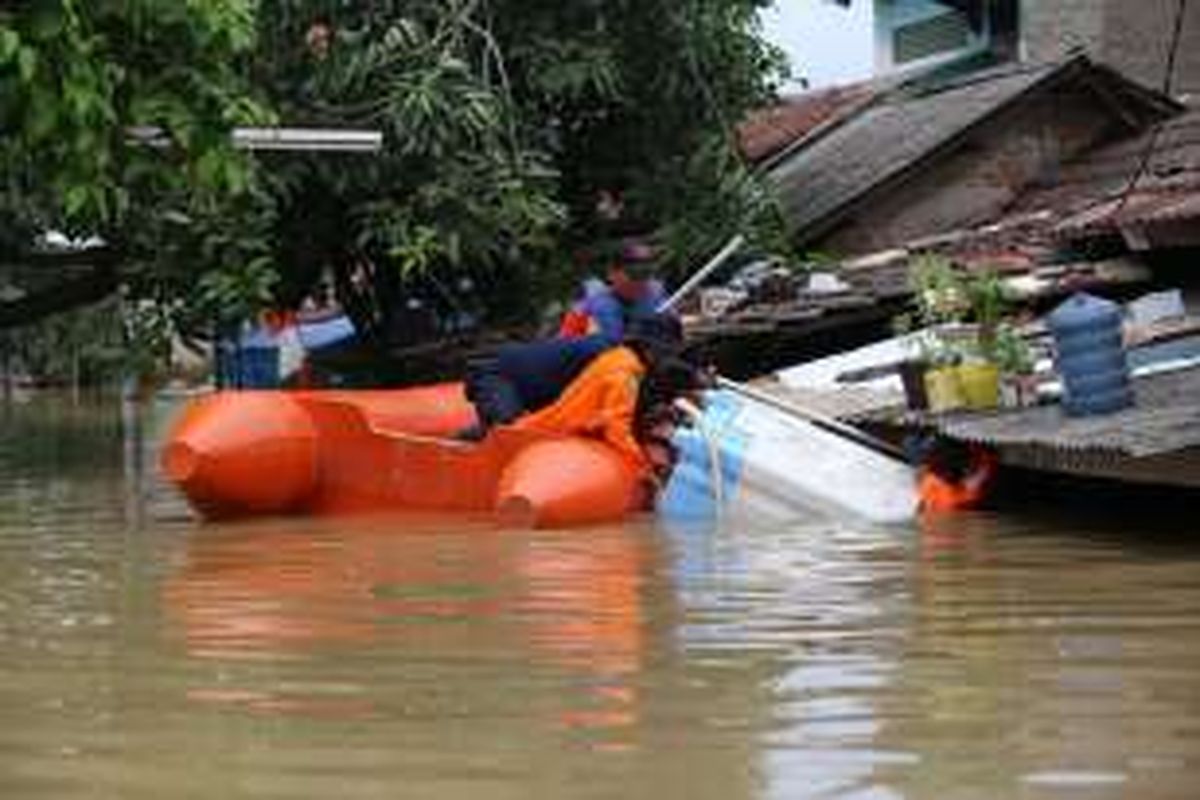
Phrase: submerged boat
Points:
(336, 452)
(333, 452)
(744, 458)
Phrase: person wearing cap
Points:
(603, 401)
(606, 306)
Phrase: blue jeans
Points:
(493, 394)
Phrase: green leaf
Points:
(27, 60)
(10, 42)
(42, 118)
(75, 200)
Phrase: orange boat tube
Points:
(272, 452)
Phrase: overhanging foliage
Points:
(504, 120)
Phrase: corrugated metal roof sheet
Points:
(1166, 418)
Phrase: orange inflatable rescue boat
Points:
(337, 452)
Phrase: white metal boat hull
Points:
(776, 465)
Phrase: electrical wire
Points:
(1168, 81)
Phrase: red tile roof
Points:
(1087, 195)
(769, 130)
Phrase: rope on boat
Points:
(714, 453)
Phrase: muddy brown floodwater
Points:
(145, 655)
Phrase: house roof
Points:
(1096, 194)
(822, 180)
(768, 131)
(1091, 196)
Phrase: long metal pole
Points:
(691, 283)
(820, 420)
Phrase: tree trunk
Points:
(6, 365)
(74, 374)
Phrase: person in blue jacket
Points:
(606, 306)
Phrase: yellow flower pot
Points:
(979, 384)
(944, 390)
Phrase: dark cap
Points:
(637, 259)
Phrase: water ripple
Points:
(145, 655)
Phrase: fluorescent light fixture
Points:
(307, 139)
(289, 139)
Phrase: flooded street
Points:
(144, 655)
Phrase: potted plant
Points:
(989, 302)
(1015, 360)
(943, 383)
(966, 314)
(939, 290)
(941, 301)
(978, 379)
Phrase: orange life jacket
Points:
(600, 402)
(939, 494)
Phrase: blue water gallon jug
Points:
(1089, 356)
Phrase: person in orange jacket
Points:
(955, 477)
(614, 396)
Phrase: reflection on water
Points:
(145, 655)
(279, 591)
